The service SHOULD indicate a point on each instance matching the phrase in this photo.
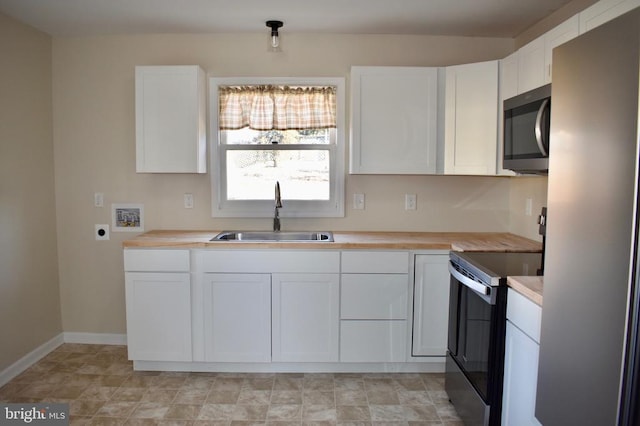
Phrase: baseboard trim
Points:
(29, 359)
(95, 338)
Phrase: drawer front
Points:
(147, 260)
(374, 296)
(373, 341)
(375, 262)
(268, 261)
(524, 314)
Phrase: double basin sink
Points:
(267, 236)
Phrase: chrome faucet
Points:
(276, 216)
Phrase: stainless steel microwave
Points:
(526, 131)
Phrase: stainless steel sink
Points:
(286, 236)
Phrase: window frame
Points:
(222, 207)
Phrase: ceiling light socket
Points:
(274, 37)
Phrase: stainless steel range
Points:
(477, 321)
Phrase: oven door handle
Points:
(468, 282)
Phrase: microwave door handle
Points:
(538, 128)
(468, 282)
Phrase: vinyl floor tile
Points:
(101, 387)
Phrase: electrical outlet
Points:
(410, 202)
(101, 232)
(358, 201)
(188, 201)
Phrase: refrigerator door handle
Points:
(468, 282)
(538, 128)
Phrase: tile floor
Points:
(101, 388)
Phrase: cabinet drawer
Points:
(156, 260)
(524, 314)
(374, 296)
(376, 262)
(373, 341)
(268, 261)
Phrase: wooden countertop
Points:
(458, 241)
(530, 287)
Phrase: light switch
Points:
(358, 201)
(98, 199)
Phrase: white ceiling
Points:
(492, 18)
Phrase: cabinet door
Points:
(564, 32)
(520, 378)
(237, 315)
(430, 305)
(305, 317)
(471, 119)
(508, 77)
(394, 120)
(170, 120)
(158, 316)
(531, 68)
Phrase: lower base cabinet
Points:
(158, 316)
(305, 317)
(430, 305)
(237, 312)
(521, 361)
(211, 307)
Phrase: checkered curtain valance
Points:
(270, 107)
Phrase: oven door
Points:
(471, 311)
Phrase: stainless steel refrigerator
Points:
(588, 373)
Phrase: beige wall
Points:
(29, 291)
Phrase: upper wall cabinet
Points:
(394, 120)
(509, 76)
(170, 119)
(471, 119)
(535, 58)
(603, 11)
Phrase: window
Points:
(258, 139)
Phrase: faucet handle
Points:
(278, 198)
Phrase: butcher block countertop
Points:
(530, 287)
(458, 241)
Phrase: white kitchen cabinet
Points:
(373, 341)
(471, 119)
(522, 347)
(561, 34)
(373, 306)
(508, 77)
(604, 11)
(305, 317)
(535, 58)
(158, 305)
(170, 119)
(393, 120)
(237, 314)
(531, 66)
(430, 305)
(373, 296)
